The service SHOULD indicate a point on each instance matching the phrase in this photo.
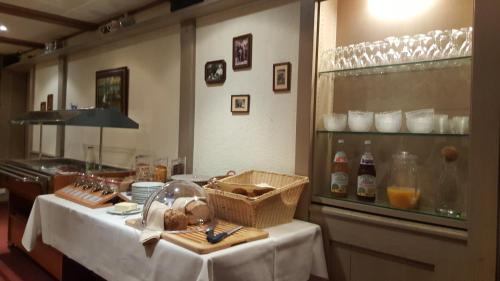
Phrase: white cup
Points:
(460, 125)
(441, 124)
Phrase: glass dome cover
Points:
(186, 206)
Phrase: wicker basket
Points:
(272, 208)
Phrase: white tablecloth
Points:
(104, 244)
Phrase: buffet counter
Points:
(104, 244)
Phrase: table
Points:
(104, 244)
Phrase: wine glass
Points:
(466, 48)
(405, 48)
(433, 50)
(419, 47)
(392, 54)
(378, 51)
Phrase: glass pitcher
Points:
(402, 190)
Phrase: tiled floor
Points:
(14, 264)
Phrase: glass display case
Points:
(392, 105)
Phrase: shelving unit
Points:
(442, 84)
(372, 133)
(401, 67)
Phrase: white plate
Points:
(112, 211)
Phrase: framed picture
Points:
(112, 89)
(282, 76)
(215, 72)
(50, 102)
(240, 103)
(242, 52)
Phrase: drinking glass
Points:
(458, 38)
(392, 54)
(340, 59)
(351, 56)
(466, 48)
(405, 47)
(326, 60)
(419, 48)
(143, 168)
(433, 51)
(378, 51)
(362, 55)
(445, 44)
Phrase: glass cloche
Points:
(184, 205)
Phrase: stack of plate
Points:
(142, 190)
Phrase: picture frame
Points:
(43, 106)
(215, 72)
(242, 52)
(240, 103)
(282, 74)
(112, 89)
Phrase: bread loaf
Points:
(196, 210)
(175, 220)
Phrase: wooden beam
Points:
(45, 17)
(19, 42)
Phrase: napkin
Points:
(154, 223)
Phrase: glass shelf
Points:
(401, 67)
(383, 208)
(374, 133)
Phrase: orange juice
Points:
(403, 197)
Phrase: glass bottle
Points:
(367, 177)
(339, 172)
(90, 158)
(448, 194)
(403, 191)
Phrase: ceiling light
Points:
(3, 27)
(398, 9)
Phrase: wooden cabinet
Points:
(362, 247)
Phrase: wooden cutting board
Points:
(196, 241)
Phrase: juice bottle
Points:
(340, 172)
(367, 185)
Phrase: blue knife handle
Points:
(217, 238)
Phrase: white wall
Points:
(154, 69)
(45, 84)
(265, 138)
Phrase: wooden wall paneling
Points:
(484, 148)
(305, 96)
(62, 78)
(187, 90)
(19, 95)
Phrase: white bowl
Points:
(360, 121)
(420, 121)
(335, 122)
(388, 122)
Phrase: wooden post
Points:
(187, 92)
(305, 98)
